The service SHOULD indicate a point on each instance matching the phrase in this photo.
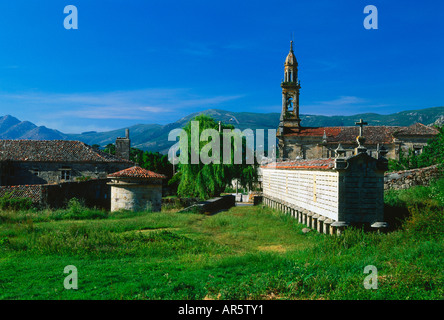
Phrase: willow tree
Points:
(208, 176)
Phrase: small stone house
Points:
(136, 189)
(28, 162)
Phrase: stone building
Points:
(329, 194)
(136, 189)
(299, 142)
(123, 146)
(27, 162)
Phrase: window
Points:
(65, 173)
(417, 150)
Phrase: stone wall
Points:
(361, 191)
(409, 178)
(29, 172)
(95, 193)
(136, 197)
(313, 148)
(213, 205)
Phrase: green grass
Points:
(242, 253)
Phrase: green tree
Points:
(210, 180)
(136, 155)
(110, 148)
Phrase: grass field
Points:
(243, 253)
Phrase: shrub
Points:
(419, 208)
(425, 221)
(83, 178)
(76, 210)
(8, 202)
(437, 191)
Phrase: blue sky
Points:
(149, 61)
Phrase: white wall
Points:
(314, 190)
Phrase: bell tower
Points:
(290, 94)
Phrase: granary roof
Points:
(372, 134)
(318, 164)
(137, 172)
(53, 151)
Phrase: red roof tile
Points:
(372, 134)
(137, 172)
(318, 164)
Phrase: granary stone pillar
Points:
(304, 216)
(338, 227)
(327, 224)
(321, 224)
(300, 214)
(314, 223)
(379, 226)
(136, 189)
(309, 219)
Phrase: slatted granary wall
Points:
(327, 194)
(313, 190)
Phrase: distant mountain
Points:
(12, 128)
(428, 116)
(154, 137)
(7, 122)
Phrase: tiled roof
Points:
(53, 151)
(137, 172)
(318, 164)
(415, 129)
(34, 192)
(372, 134)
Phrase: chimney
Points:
(123, 146)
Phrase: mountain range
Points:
(154, 137)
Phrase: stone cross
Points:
(361, 123)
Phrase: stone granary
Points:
(299, 142)
(329, 194)
(136, 189)
(29, 162)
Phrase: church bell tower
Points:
(290, 95)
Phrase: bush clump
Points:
(77, 210)
(9, 202)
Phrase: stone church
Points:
(299, 142)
